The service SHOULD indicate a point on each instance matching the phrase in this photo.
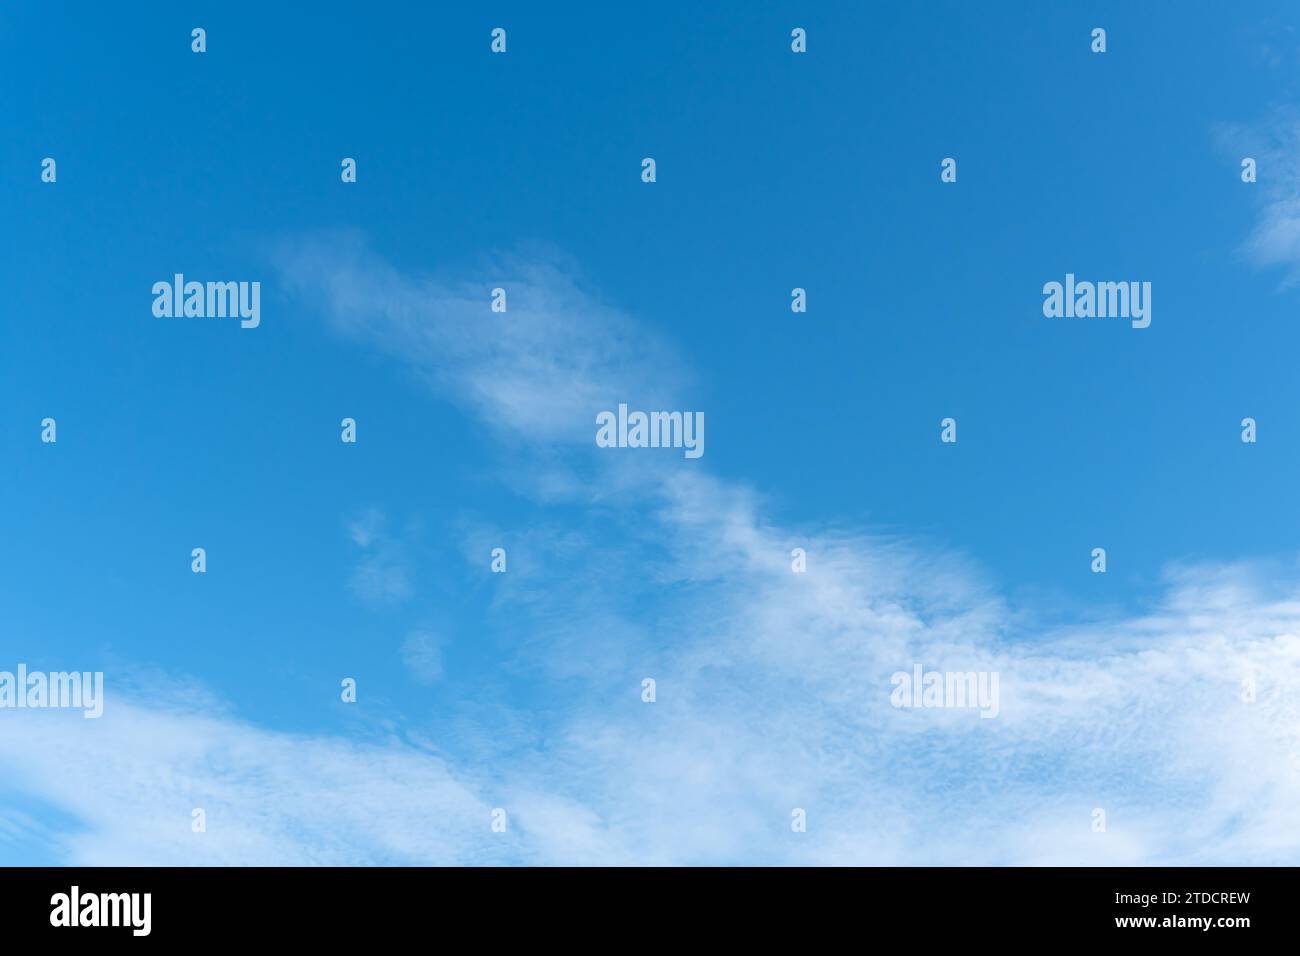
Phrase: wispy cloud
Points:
(133, 782)
(422, 655)
(776, 698)
(380, 575)
(539, 370)
(1275, 146)
(772, 687)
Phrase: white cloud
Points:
(539, 371)
(422, 655)
(779, 699)
(1275, 146)
(132, 778)
(773, 687)
(380, 576)
(776, 693)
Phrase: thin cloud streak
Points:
(773, 688)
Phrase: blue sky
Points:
(522, 690)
